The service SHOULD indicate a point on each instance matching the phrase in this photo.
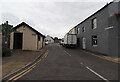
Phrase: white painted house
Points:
(49, 39)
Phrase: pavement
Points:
(106, 57)
(18, 60)
(59, 63)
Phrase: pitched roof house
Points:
(26, 38)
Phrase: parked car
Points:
(46, 43)
(62, 42)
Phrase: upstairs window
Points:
(94, 23)
(83, 29)
(94, 41)
(78, 30)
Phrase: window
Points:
(94, 23)
(78, 30)
(94, 41)
(83, 29)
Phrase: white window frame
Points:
(83, 28)
(95, 39)
(94, 23)
(78, 30)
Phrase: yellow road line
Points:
(105, 58)
(29, 69)
(20, 72)
(25, 73)
(45, 56)
(38, 61)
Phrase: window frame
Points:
(78, 30)
(94, 38)
(83, 29)
(94, 23)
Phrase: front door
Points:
(84, 43)
(18, 40)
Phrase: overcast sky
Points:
(50, 17)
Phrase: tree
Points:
(6, 30)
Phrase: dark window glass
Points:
(38, 38)
(94, 41)
(83, 29)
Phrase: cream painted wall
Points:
(44, 42)
(11, 40)
(29, 38)
(40, 43)
(41, 39)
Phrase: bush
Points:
(6, 52)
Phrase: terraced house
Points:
(26, 38)
(100, 32)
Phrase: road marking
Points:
(67, 53)
(45, 54)
(27, 70)
(21, 72)
(81, 63)
(42, 56)
(105, 57)
(24, 73)
(39, 60)
(95, 72)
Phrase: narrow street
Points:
(65, 40)
(72, 64)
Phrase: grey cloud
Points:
(10, 17)
(54, 18)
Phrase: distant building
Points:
(56, 40)
(101, 31)
(26, 38)
(49, 39)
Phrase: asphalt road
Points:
(72, 64)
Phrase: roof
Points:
(94, 13)
(23, 23)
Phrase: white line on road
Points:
(95, 72)
(67, 53)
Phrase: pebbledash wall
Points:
(107, 31)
